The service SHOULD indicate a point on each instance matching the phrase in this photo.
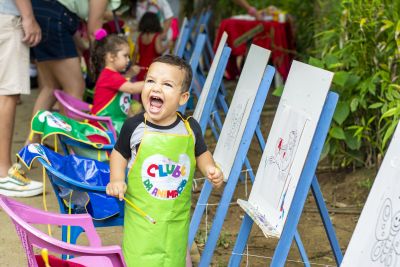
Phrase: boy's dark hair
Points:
(109, 44)
(182, 65)
(149, 23)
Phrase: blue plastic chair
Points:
(57, 180)
(65, 174)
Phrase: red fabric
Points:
(147, 54)
(175, 28)
(106, 88)
(276, 37)
(95, 138)
(109, 26)
(56, 262)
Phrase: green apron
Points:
(160, 183)
(117, 109)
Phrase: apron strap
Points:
(185, 122)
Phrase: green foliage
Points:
(360, 42)
(224, 240)
(366, 183)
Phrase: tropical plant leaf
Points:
(352, 141)
(391, 112)
(316, 62)
(278, 91)
(337, 133)
(389, 133)
(325, 150)
(340, 78)
(354, 104)
(375, 105)
(342, 112)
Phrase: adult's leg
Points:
(47, 83)
(68, 74)
(58, 74)
(45, 99)
(8, 105)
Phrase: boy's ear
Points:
(184, 98)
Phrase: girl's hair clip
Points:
(100, 34)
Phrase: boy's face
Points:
(162, 93)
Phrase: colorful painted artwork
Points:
(259, 218)
(288, 145)
(275, 174)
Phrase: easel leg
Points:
(199, 211)
(241, 241)
(302, 251)
(218, 221)
(323, 211)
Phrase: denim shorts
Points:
(58, 26)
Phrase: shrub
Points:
(361, 44)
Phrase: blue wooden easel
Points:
(240, 154)
(182, 40)
(199, 80)
(297, 82)
(307, 180)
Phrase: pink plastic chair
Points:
(77, 109)
(93, 255)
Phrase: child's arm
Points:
(117, 186)
(166, 26)
(132, 87)
(160, 48)
(208, 168)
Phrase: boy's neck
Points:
(163, 122)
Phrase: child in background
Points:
(161, 8)
(112, 95)
(149, 43)
(161, 147)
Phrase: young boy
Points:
(162, 148)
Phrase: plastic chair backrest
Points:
(77, 109)
(58, 179)
(23, 216)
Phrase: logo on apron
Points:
(163, 178)
(125, 102)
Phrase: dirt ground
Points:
(344, 193)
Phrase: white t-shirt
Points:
(160, 7)
(81, 7)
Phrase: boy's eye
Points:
(168, 84)
(149, 81)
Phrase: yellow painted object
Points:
(140, 211)
(45, 256)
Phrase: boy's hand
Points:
(215, 175)
(116, 189)
(135, 70)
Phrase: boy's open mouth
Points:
(155, 103)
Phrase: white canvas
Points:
(210, 76)
(239, 110)
(288, 143)
(376, 239)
